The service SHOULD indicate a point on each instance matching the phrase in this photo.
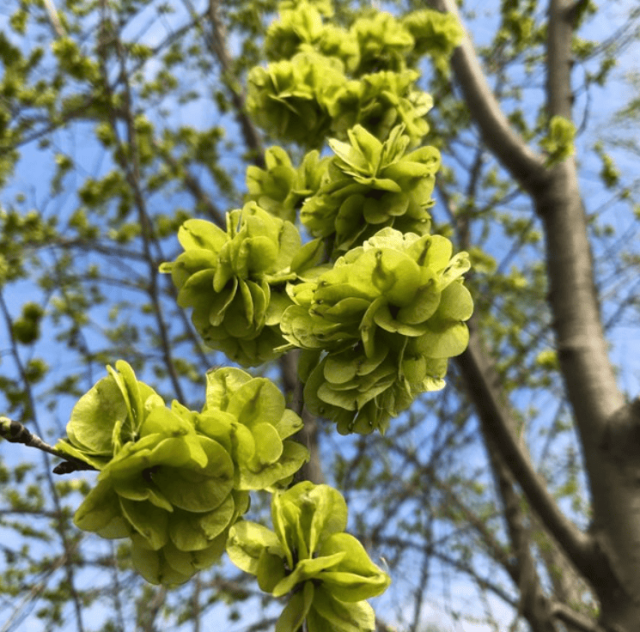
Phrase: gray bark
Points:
(608, 556)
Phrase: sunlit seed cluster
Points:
(173, 480)
(327, 572)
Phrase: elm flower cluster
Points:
(324, 79)
(370, 185)
(281, 188)
(234, 280)
(172, 480)
(379, 327)
(326, 572)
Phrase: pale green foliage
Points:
(383, 43)
(235, 280)
(558, 143)
(370, 185)
(173, 480)
(292, 97)
(326, 572)
(281, 188)
(381, 324)
(389, 313)
(26, 329)
(327, 79)
(436, 34)
(87, 249)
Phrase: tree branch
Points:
(309, 435)
(216, 43)
(60, 525)
(534, 604)
(194, 187)
(15, 432)
(128, 160)
(577, 9)
(525, 165)
(219, 45)
(591, 386)
(54, 18)
(574, 619)
(482, 382)
(583, 353)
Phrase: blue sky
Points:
(34, 171)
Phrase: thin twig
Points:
(15, 432)
(54, 18)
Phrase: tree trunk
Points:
(608, 556)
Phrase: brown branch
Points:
(482, 382)
(132, 171)
(525, 165)
(309, 435)
(607, 558)
(194, 187)
(577, 621)
(216, 43)
(54, 18)
(15, 432)
(583, 353)
(483, 583)
(576, 10)
(534, 604)
(60, 525)
(493, 546)
(219, 45)
(149, 610)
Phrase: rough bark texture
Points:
(608, 556)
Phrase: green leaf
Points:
(268, 443)
(425, 303)
(222, 384)
(200, 234)
(91, 424)
(270, 570)
(288, 424)
(246, 542)
(189, 562)
(356, 577)
(443, 340)
(296, 610)
(192, 532)
(456, 303)
(100, 512)
(304, 570)
(153, 566)
(265, 476)
(196, 488)
(329, 613)
(149, 521)
(255, 401)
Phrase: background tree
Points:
(515, 485)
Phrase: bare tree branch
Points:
(130, 164)
(526, 166)
(534, 604)
(60, 524)
(15, 432)
(217, 43)
(249, 131)
(483, 385)
(54, 18)
(194, 187)
(309, 435)
(574, 619)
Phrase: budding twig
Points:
(15, 432)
